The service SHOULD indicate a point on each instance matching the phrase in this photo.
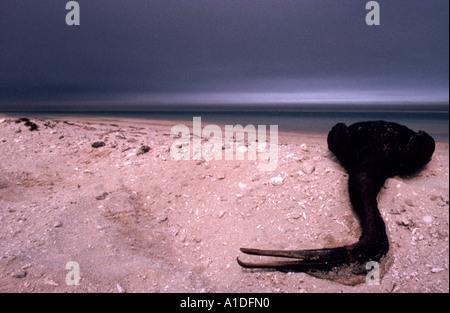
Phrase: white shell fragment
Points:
(276, 181)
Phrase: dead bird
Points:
(371, 152)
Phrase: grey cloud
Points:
(212, 45)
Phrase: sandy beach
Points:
(135, 220)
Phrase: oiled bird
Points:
(371, 152)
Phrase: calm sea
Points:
(434, 123)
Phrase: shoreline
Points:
(162, 124)
(146, 122)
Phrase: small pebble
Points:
(404, 222)
(19, 273)
(51, 283)
(395, 211)
(427, 219)
(437, 270)
(162, 218)
(98, 144)
(120, 289)
(57, 224)
(308, 169)
(433, 197)
(102, 196)
(143, 149)
(276, 181)
(242, 149)
(26, 266)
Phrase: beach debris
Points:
(49, 125)
(143, 149)
(261, 148)
(88, 128)
(51, 282)
(408, 223)
(276, 181)
(433, 197)
(20, 120)
(307, 168)
(242, 185)
(57, 224)
(396, 211)
(32, 126)
(27, 266)
(255, 178)
(162, 218)
(304, 147)
(199, 162)
(242, 149)
(427, 219)
(120, 135)
(120, 289)
(102, 196)
(437, 269)
(98, 144)
(20, 273)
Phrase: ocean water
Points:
(434, 123)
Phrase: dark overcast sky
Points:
(224, 51)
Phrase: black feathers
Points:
(371, 152)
